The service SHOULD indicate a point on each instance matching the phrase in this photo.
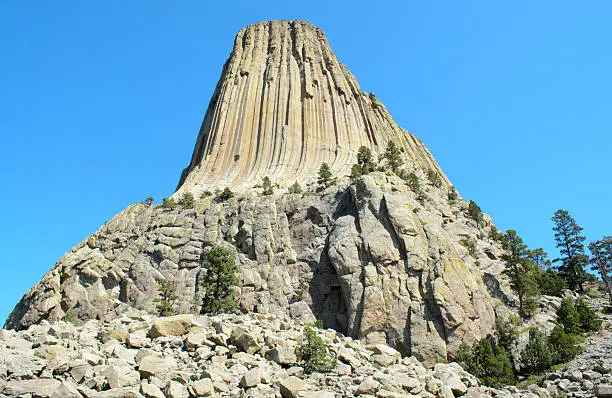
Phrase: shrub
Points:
(452, 194)
(587, 319)
(434, 178)
(550, 283)
(537, 356)
(218, 281)
(474, 212)
(148, 201)
(313, 353)
(167, 297)
(496, 235)
(296, 188)
(325, 176)
(168, 203)
(71, 317)
(205, 194)
(470, 245)
(506, 331)
(187, 200)
(491, 367)
(300, 293)
(568, 317)
(566, 346)
(225, 195)
(267, 186)
(413, 182)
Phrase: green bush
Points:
(550, 283)
(496, 235)
(565, 346)
(187, 201)
(313, 353)
(587, 319)
(474, 212)
(300, 293)
(491, 367)
(434, 178)
(267, 186)
(205, 194)
(452, 194)
(296, 188)
(168, 203)
(167, 297)
(225, 195)
(218, 281)
(148, 201)
(506, 331)
(537, 355)
(568, 316)
(71, 317)
(413, 182)
(470, 245)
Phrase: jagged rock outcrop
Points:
(283, 105)
(382, 261)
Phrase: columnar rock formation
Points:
(383, 260)
(284, 105)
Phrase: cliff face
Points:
(284, 105)
(382, 260)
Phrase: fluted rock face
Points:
(284, 105)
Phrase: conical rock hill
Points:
(377, 257)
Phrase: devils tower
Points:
(380, 257)
(283, 105)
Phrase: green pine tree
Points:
(365, 162)
(393, 156)
(296, 188)
(166, 301)
(537, 356)
(571, 245)
(434, 178)
(474, 212)
(566, 346)
(520, 270)
(218, 281)
(325, 176)
(267, 186)
(187, 201)
(313, 353)
(601, 261)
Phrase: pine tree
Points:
(537, 355)
(571, 245)
(148, 201)
(520, 270)
(187, 200)
(393, 156)
(434, 178)
(601, 261)
(168, 203)
(313, 354)
(218, 281)
(167, 297)
(474, 212)
(325, 176)
(296, 188)
(267, 186)
(365, 162)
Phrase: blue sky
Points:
(101, 103)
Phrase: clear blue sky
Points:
(101, 102)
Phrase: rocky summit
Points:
(392, 264)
